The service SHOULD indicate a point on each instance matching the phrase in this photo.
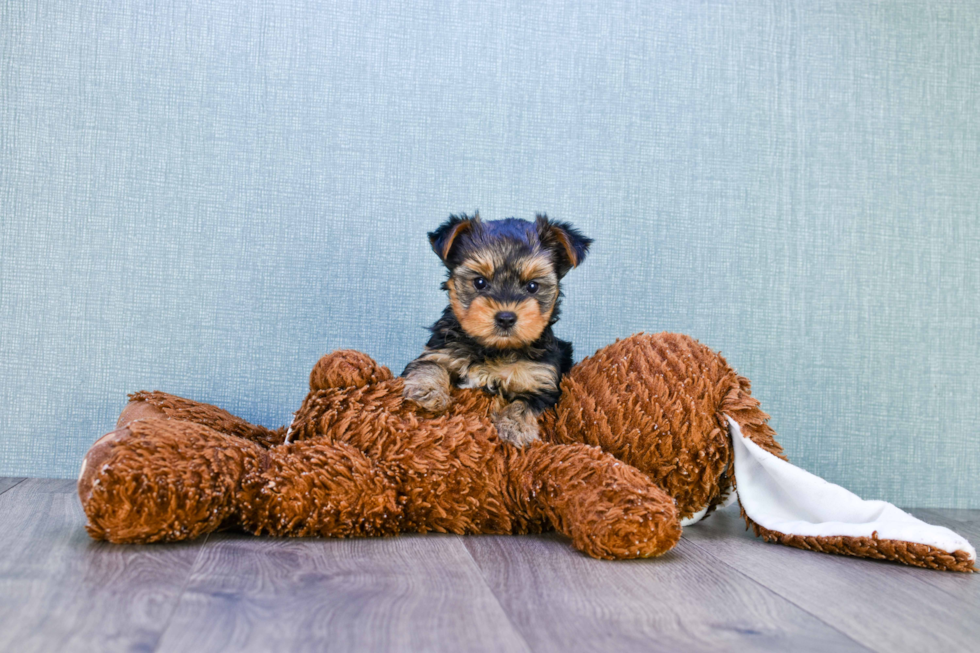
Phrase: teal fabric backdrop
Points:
(204, 196)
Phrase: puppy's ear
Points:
(567, 244)
(443, 238)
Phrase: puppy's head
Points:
(504, 274)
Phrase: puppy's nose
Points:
(505, 319)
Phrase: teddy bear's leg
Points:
(160, 405)
(608, 509)
(166, 480)
(163, 480)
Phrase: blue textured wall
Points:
(204, 196)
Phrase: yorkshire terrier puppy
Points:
(503, 285)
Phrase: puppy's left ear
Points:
(567, 244)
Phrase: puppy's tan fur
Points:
(514, 270)
(429, 387)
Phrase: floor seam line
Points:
(180, 595)
(496, 599)
(13, 486)
(707, 552)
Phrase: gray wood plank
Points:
(964, 522)
(410, 593)
(62, 591)
(967, 524)
(885, 606)
(562, 600)
(7, 482)
(720, 589)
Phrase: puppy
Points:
(503, 286)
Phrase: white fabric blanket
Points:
(784, 498)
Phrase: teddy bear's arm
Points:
(608, 508)
(316, 488)
(346, 368)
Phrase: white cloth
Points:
(784, 498)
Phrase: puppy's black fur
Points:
(496, 334)
(448, 335)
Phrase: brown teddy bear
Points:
(650, 434)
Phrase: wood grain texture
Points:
(414, 593)
(884, 606)
(967, 524)
(720, 589)
(964, 522)
(61, 591)
(561, 600)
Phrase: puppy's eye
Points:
(532, 287)
(480, 283)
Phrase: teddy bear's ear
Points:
(443, 238)
(567, 244)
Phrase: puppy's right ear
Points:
(443, 238)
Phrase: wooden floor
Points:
(720, 589)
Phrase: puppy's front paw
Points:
(428, 394)
(517, 425)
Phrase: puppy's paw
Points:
(517, 425)
(427, 393)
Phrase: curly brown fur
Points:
(365, 462)
(178, 408)
(496, 334)
(655, 402)
(636, 442)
